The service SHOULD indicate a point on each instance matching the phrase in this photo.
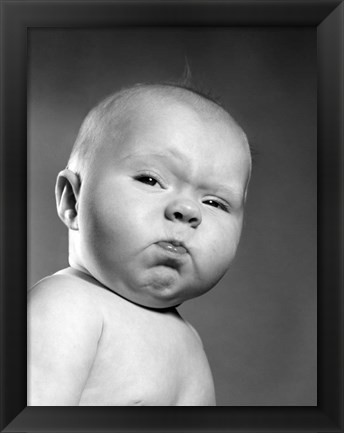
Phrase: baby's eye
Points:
(217, 204)
(149, 180)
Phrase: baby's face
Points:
(160, 214)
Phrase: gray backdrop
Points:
(258, 324)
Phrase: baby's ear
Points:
(67, 192)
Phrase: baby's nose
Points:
(185, 211)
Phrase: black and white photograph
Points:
(172, 217)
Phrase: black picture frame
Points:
(17, 17)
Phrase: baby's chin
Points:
(158, 295)
(151, 299)
(161, 288)
(165, 291)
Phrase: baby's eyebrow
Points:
(159, 155)
(231, 193)
(170, 159)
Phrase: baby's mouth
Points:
(173, 247)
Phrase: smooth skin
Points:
(106, 331)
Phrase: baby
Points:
(153, 198)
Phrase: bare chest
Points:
(150, 359)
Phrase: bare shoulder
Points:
(65, 287)
(65, 297)
(64, 328)
(195, 335)
(193, 330)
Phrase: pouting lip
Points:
(174, 243)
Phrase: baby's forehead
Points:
(155, 123)
(140, 112)
(147, 108)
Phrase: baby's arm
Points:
(64, 328)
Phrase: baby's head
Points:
(154, 194)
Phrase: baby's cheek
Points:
(216, 260)
(224, 245)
